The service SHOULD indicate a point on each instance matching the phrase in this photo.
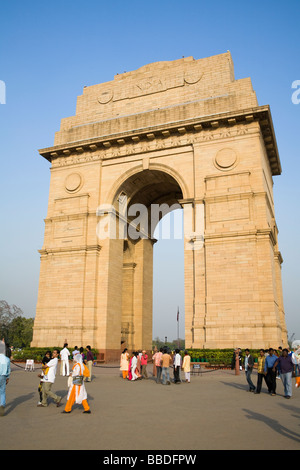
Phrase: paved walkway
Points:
(214, 411)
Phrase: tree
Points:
(20, 333)
(14, 328)
(171, 345)
(7, 314)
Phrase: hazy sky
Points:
(50, 50)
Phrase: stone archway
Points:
(146, 197)
(187, 132)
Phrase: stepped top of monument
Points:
(159, 98)
(202, 87)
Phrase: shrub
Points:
(37, 354)
(216, 356)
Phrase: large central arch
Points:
(143, 199)
(182, 132)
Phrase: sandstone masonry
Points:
(182, 132)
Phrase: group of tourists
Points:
(87, 358)
(272, 365)
(76, 378)
(134, 366)
(81, 372)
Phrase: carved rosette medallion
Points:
(226, 159)
(73, 182)
(105, 97)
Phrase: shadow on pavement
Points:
(273, 424)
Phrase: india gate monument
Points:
(180, 133)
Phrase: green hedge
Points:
(216, 356)
(38, 353)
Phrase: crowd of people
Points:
(81, 372)
(271, 365)
(134, 366)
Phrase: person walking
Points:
(153, 363)
(166, 361)
(296, 361)
(260, 371)
(49, 379)
(177, 366)
(249, 363)
(64, 356)
(157, 361)
(286, 365)
(270, 374)
(89, 363)
(4, 376)
(186, 366)
(138, 365)
(134, 373)
(144, 361)
(77, 391)
(76, 351)
(124, 363)
(81, 351)
(278, 354)
(45, 360)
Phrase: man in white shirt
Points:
(177, 366)
(64, 356)
(49, 379)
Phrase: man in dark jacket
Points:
(249, 363)
(286, 371)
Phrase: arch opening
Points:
(168, 279)
(143, 199)
(141, 202)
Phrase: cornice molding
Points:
(188, 131)
(67, 251)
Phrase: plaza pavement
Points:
(213, 412)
